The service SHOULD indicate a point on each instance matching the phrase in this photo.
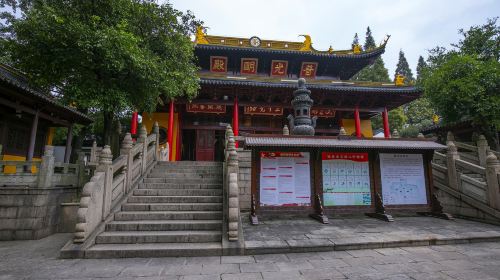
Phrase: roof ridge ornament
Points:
(307, 44)
(200, 36)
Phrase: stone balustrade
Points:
(231, 189)
(113, 180)
(470, 174)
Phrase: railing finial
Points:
(105, 157)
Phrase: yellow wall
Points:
(350, 128)
(10, 169)
(148, 121)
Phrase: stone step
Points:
(214, 180)
(183, 175)
(167, 215)
(178, 192)
(189, 163)
(172, 207)
(175, 199)
(132, 237)
(178, 186)
(159, 225)
(149, 250)
(196, 169)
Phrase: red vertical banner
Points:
(170, 130)
(236, 124)
(385, 117)
(357, 122)
(133, 123)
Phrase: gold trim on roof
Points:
(305, 46)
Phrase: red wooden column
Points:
(357, 123)
(236, 125)
(133, 124)
(170, 136)
(385, 119)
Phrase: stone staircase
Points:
(175, 211)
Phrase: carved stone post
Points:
(156, 131)
(142, 140)
(46, 168)
(451, 156)
(450, 137)
(93, 152)
(233, 191)
(492, 180)
(395, 134)
(126, 150)
(105, 161)
(482, 150)
(81, 161)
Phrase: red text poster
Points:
(285, 179)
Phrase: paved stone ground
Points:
(38, 260)
(361, 233)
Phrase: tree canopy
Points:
(464, 83)
(375, 72)
(103, 55)
(403, 68)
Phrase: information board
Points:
(285, 179)
(403, 179)
(346, 179)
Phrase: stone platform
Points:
(307, 235)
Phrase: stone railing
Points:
(113, 180)
(231, 190)
(42, 174)
(458, 174)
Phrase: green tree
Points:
(103, 56)
(420, 67)
(375, 72)
(369, 41)
(397, 120)
(463, 83)
(355, 40)
(403, 68)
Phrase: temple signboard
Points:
(249, 66)
(206, 108)
(346, 179)
(218, 64)
(279, 68)
(322, 113)
(308, 70)
(264, 110)
(285, 179)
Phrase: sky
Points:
(415, 26)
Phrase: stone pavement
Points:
(37, 259)
(306, 235)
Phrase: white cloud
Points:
(415, 26)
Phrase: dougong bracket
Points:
(436, 210)
(319, 215)
(253, 215)
(380, 210)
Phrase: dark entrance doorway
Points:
(205, 145)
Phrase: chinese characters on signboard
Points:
(322, 113)
(264, 110)
(346, 179)
(249, 66)
(279, 68)
(218, 64)
(205, 108)
(308, 70)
